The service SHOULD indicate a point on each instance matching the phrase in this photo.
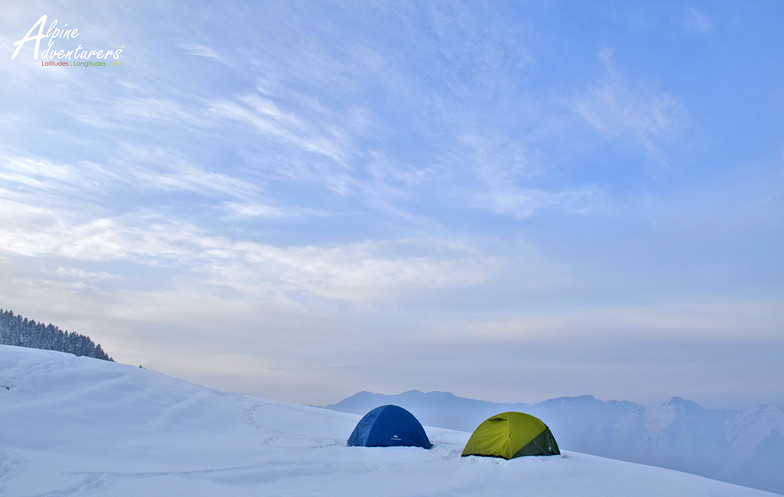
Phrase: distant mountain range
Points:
(738, 446)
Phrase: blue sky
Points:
(510, 201)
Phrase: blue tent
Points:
(388, 426)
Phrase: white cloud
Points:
(696, 20)
(200, 50)
(254, 209)
(616, 110)
(349, 272)
(91, 190)
(523, 202)
(504, 179)
(277, 126)
(152, 168)
(309, 150)
(358, 272)
(81, 274)
(127, 112)
(28, 178)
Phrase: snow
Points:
(75, 426)
(735, 446)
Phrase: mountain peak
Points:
(577, 400)
(676, 402)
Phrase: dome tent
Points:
(388, 426)
(510, 435)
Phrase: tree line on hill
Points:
(23, 332)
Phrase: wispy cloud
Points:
(505, 178)
(130, 112)
(616, 109)
(133, 168)
(524, 202)
(36, 181)
(200, 51)
(153, 168)
(313, 151)
(257, 210)
(83, 275)
(697, 20)
(350, 272)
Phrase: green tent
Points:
(510, 435)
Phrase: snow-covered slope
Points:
(74, 426)
(742, 447)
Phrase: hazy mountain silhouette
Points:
(738, 446)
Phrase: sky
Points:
(509, 201)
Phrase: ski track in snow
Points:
(84, 487)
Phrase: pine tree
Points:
(22, 332)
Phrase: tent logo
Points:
(395, 438)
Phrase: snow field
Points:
(74, 426)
